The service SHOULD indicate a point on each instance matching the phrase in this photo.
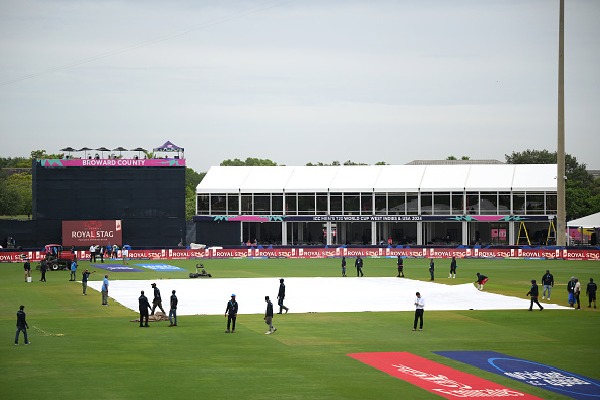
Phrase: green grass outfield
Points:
(81, 350)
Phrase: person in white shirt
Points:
(93, 253)
(420, 308)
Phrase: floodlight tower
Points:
(561, 220)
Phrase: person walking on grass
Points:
(590, 290)
(84, 280)
(157, 301)
(280, 297)
(343, 266)
(22, 326)
(144, 308)
(269, 316)
(548, 282)
(359, 266)
(173, 310)
(534, 292)
(231, 314)
(419, 310)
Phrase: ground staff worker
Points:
(157, 301)
(534, 292)
(144, 308)
(420, 309)
(173, 310)
(281, 296)
(231, 314)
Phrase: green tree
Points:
(17, 162)
(190, 203)
(192, 179)
(349, 162)
(15, 195)
(582, 193)
(41, 154)
(249, 162)
(453, 158)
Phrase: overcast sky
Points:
(299, 81)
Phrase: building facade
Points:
(462, 204)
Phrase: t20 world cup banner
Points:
(87, 233)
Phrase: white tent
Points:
(379, 178)
(590, 221)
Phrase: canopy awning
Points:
(170, 147)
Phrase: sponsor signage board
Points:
(116, 268)
(318, 252)
(533, 373)
(160, 267)
(437, 378)
(89, 232)
(112, 162)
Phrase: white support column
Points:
(242, 233)
(465, 233)
(511, 233)
(373, 232)
(284, 233)
(420, 233)
(329, 238)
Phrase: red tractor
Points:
(57, 258)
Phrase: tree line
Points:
(582, 190)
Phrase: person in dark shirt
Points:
(590, 290)
(431, 269)
(343, 266)
(548, 282)
(400, 264)
(157, 301)
(22, 326)
(280, 297)
(359, 266)
(481, 280)
(27, 269)
(144, 308)
(231, 314)
(534, 292)
(43, 269)
(173, 310)
(269, 316)
(452, 268)
(84, 280)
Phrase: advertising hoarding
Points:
(88, 232)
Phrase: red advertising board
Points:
(86, 233)
(311, 252)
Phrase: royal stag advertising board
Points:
(82, 233)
